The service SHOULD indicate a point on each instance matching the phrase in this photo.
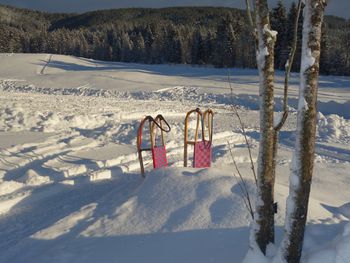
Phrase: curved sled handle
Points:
(139, 141)
(208, 117)
(140, 129)
(161, 118)
(158, 121)
(199, 117)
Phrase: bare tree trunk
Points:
(303, 159)
(263, 227)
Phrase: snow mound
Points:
(16, 118)
(176, 199)
(7, 187)
(338, 251)
(345, 210)
(333, 128)
(32, 178)
(174, 215)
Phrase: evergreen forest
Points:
(183, 35)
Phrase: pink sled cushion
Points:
(159, 157)
(202, 154)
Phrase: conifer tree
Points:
(197, 52)
(224, 43)
(279, 23)
(126, 48)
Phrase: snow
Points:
(333, 128)
(308, 59)
(337, 251)
(70, 185)
(262, 53)
(286, 66)
(32, 178)
(255, 256)
(271, 33)
(277, 118)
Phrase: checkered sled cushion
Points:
(202, 154)
(159, 157)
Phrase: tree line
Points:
(188, 35)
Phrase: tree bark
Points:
(263, 227)
(303, 159)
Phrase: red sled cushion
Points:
(202, 154)
(159, 157)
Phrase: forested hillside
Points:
(188, 35)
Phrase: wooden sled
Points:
(158, 151)
(202, 148)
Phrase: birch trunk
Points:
(263, 227)
(303, 159)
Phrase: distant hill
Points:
(191, 35)
(208, 16)
(27, 19)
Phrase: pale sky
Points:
(335, 7)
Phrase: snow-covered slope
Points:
(70, 186)
(58, 74)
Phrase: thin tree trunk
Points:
(288, 68)
(303, 159)
(263, 227)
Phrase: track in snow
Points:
(46, 64)
(69, 172)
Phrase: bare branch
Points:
(242, 184)
(234, 108)
(249, 14)
(251, 20)
(288, 68)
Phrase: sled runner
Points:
(158, 151)
(202, 148)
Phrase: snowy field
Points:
(70, 185)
